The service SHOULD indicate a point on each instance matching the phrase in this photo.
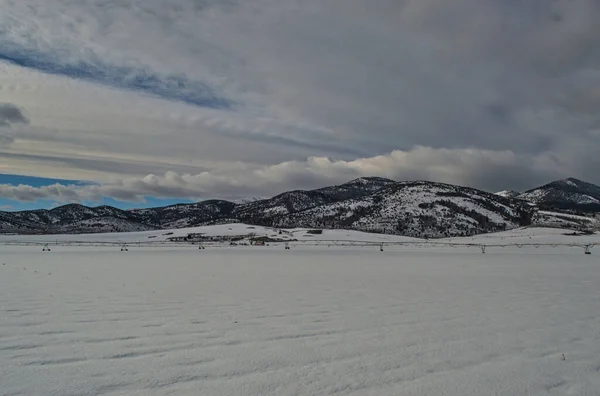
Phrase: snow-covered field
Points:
(519, 235)
(529, 236)
(218, 230)
(305, 321)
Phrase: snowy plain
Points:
(216, 230)
(313, 320)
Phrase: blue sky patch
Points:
(15, 205)
(15, 180)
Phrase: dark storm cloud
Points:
(11, 114)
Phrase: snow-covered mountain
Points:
(267, 211)
(508, 193)
(183, 215)
(566, 220)
(72, 218)
(355, 188)
(423, 209)
(568, 193)
(420, 209)
(246, 200)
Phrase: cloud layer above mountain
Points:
(235, 98)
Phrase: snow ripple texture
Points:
(307, 321)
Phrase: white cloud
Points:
(468, 167)
(23, 192)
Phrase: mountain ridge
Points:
(411, 208)
(565, 194)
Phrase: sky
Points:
(136, 103)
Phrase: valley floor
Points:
(308, 321)
(302, 235)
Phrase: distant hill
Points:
(508, 193)
(566, 194)
(422, 209)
